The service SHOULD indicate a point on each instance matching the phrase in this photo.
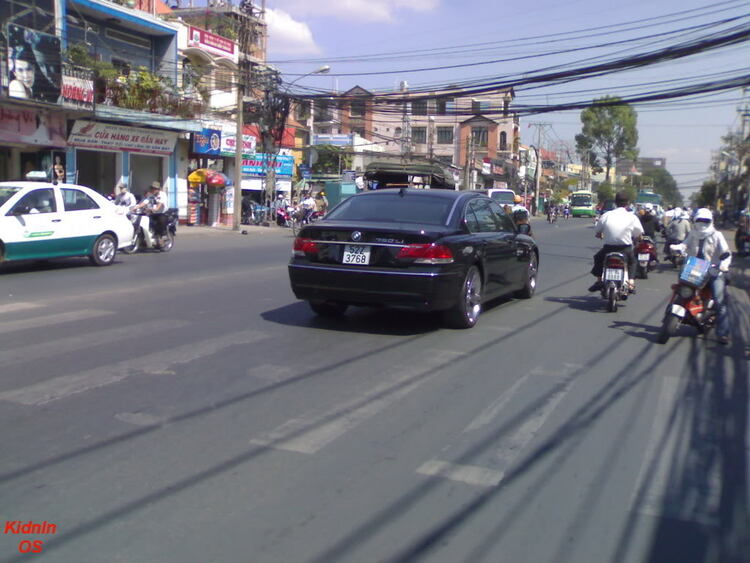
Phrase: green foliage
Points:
(609, 131)
(605, 192)
(706, 195)
(332, 160)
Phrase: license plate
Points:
(678, 310)
(356, 254)
(644, 257)
(613, 274)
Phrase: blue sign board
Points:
(257, 165)
(208, 141)
(336, 140)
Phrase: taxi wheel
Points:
(104, 252)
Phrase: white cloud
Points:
(289, 36)
(357, 10)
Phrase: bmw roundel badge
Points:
(356, 236)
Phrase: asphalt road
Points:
(185, 407)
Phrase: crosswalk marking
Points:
(64, 386)
(20, 306)
(513, 444)
(83, 341)
(469, 474)
(308, 434)
(49, 320)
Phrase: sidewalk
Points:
(254, 230)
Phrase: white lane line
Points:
(469, 474)
(489, 413)
(36, 322)
(699, 495)
(512, 445)
(85, 341)
(20, 306)
(158, 362)
(310, 433)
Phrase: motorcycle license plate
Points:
(678, 310)
(643, 257)
(356, 254)
(613, 274)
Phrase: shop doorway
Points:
(97, 170)
(143, 171)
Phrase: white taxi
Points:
(40, 220)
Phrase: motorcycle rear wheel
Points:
(612, 299)
(167, 242)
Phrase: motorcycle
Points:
(692, 301)
(677, 258)
(615, 286)
(283, 217)
(742, 243)
(645, 252)
(159, 235)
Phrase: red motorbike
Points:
(645, 253)
(692, 301)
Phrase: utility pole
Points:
(539, 128)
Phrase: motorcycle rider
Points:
(153, 202)
(705, 242)
(124, 198)
(619, 228)
(678, 230)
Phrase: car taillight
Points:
(615, 262)
(426, 253)
(303, 246)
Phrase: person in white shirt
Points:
(706, 243)
(619, 228)
(124, 197)
(308, 206)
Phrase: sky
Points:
(419, 34)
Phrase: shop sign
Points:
(258, 164)
(32, 127)
(212, 43)
(207, 141)
(229, 144)
(78, 87)
(33, 65)
(93, 135)
(335, 140)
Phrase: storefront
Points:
(254, 171)
(103, 154)
(30, 139)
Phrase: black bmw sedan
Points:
(429, 250)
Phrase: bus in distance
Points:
(583, 204)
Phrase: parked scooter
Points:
(692, 301)
(615, 284)
(645, 252)
(160, 234)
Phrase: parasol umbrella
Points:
(198, 176)
(217, 180)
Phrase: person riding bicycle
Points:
(705, 242)
(619, 228)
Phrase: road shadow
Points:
(591, 303)
(369, 320)
(57, 264)
(638, 330)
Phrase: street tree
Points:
(609, 131)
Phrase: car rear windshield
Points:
(503, 197)
(421, 209)
(7, 192)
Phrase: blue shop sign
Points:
(208, 141)
(258, 164)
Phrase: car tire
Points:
(527, 292)
(105, 250)
(328, 309)
(468, 302)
